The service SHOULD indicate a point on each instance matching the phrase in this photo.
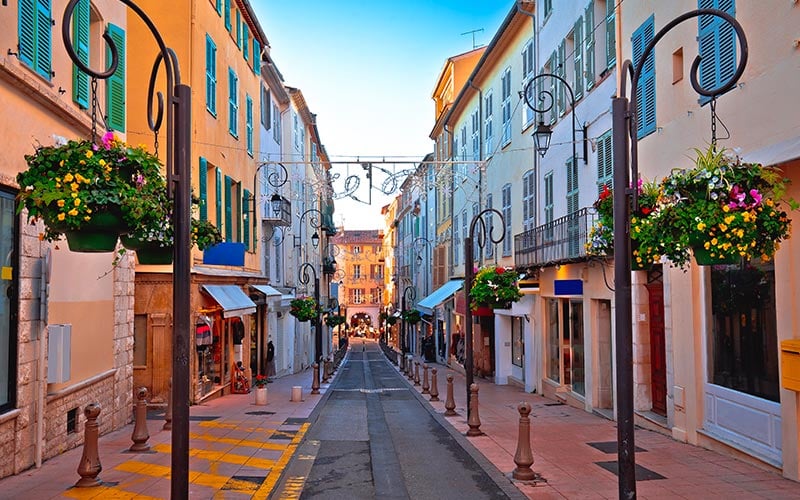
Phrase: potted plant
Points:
(412, 316)
(304, 308)
(494, 287)
(87, 191)
(260, 383)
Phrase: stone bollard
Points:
(89, 466)
(140, 434)
(325, 369)
(168, 414)
(297, 394)
(434, 392)
(474, 421)
(401, 363)
(425, 386)
(315, 380)
(416, 372)
(524, 456)
(450, 402)
(410, 367)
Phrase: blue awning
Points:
(441, 294)
(267, 290)
(232, 299)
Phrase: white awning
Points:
(267, 290)
(232, 299)
(441, 294)
(775, 154)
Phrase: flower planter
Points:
(261, 396)
(704, 258)
(148, 252)
(98, 235)
(483, 311)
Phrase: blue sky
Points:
(367, 69)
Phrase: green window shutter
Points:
(80, 40)
(249, 124)
(611, 41)
(227, 7)
(203, 183)
(26, 18)
(646, 87)
(577, 34)
(588, 56)
(256, 57)
(219, 198)
(572, 186)
(211, 76)
(228, 209)
(605, 162)
(246, 42)
(246, 219)
(238, 210)
(233, 103)
(561, 70)
(115, 86)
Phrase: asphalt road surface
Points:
(374, 437)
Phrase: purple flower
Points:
(756, 197)
(107, 139)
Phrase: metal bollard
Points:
(140, 434)
(434, 392)
(401, 362)
(324, 371)
(450, 403)
(168, 414)
(89, 466)
(474, 420)
(425, 386)
(524, 456)
(416, 372)
(410, 367)
(315, 380)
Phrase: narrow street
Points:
(373, 438)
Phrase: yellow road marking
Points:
(237, 426)
(272, 479)
(238, 442)
(104, 492)
(293, 488)
(217, 456)
(199, 478)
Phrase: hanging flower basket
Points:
(494, 287)
(391, 320)
(412, 316)
(97, 235)
(483, 311)
(334, 320)
(304, 308)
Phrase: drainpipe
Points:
(41, 385)
(480, 155)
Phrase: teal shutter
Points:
(646, 88)
(561, 70)
(26, 18)
(605, 162)
(238, 29)
(44, 27)
(35, 35)
(716, 46)
(228, 209)
(203, 183)
(115, 86)
(80, 40)
(219, 7)
(611, 34)
(211, 76)
(237, 188)
(246, 219)
(233, 103)
(249, 125)
(246, 42)
(227, 8)
(588, 57)
(256, 57)
(577, 38)
(219, 198)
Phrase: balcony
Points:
(282, 218)
(556, 242)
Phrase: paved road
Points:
(373, 438)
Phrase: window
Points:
(548, 204)
(463, 166)
(517, 341)
(233, 103)
(605, 162)
(377, 296)
(527, 74)
(356, 271)
(456, 242)
(547, 8)
(487, 126)
(115, 85)
(35, 35)
(358, 295)
(211, 76)
(476, 136)
(464, 232)
(248, 127)
(577, 58)
(357, 249)
(611, 41)
(507, 239)
(553, 342)
(238, 28)
(8, 304)
(218, 199)
(476, 249)
(528, 200)
(717, 46)
(276, 124)
(561, 70)
(646, 87)
(80, 40)
(506, 106)
(218, 6)
(588, 44)
(266, 107)
(228, 209)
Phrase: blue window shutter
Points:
(44, 27)
(246, 42)
(211, 76)
(219, 199)
(115, 86)
(27, 31)
(246, 219)
(233, 104)
(256, 57)
(80, 40)
(716, 46)
(227, 7)
(249, 125)
(203, 183)
(238, 29)
(228, 209)
(646, 88)
(219, 7)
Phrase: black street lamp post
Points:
(624, 130)
(178, 160)
(543, 132)
(315, 221)
(307, 274)
(469, 275)
(409, 294)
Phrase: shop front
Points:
(267, 300)
(438, 318)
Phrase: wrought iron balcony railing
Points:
(559, 241)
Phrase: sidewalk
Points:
(237, 450)
(573, 450)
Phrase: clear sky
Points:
(367, 69)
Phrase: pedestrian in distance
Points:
(270, 361)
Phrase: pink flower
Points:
(756, 197)
(107, 139)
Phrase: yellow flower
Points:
(87, 218)
(74, 186)
(89, 153)
(714, 241)
(82, 162)
(79, 178)
(706, 245)
(701, 226)
(729, 219)
(102, 162)
(68, 177)
(73, 212)
(61, 216)
(769, 202)
(74, 195)
(77, 202)
(740, 233)
(61, 163)
(60, 203)
(726, 208)
(723, 227)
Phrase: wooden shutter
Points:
(605, 162)
(249, 124)
(588, 56)
(646, 88)
(577, 39)
(238, 29)
(80, 40)
(27, 31)
(716, 46)
(561, 70)
(115, 87)
(572, 186)
(256, 57)
(228, 209)
(227, 7)
(203, 183)
(233, 103)
(246, 219)
(246, 42)
(611, 40)
(211, 76)
(219, 198)
(35, 34)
